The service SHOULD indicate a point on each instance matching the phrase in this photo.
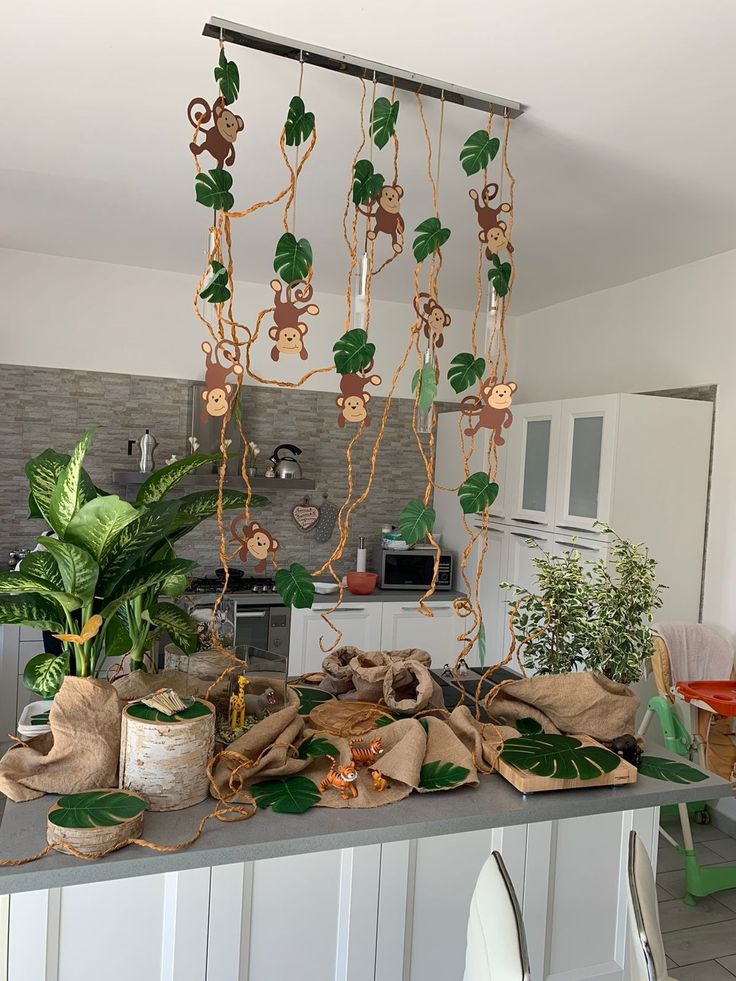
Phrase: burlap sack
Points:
(482, 740)
(81, 752)
(349, 671)
(581, 703)
(138, 684)
(408, 687)
(369, 669)
(411, 654)
(338, 677)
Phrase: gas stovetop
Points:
(239, 584)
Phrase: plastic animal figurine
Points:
(366, 755)
(237, 704)
(379, 781)
(628, 749)
(258, 705)
(342, 778)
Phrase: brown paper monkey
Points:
(290, 302)
(219, 364)
(255, 542)
(353, 400)
(491, 409)
(486, 213)
(432, 318)
(498, 240)
(384, 211)
(219, 140)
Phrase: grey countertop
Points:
(408, 596)
(493, 804)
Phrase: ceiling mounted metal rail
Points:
(346, 64)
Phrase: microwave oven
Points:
(413, 568)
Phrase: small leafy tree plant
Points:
(594, 616)
(102, 581)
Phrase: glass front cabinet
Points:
(587, 456)
(532, 461)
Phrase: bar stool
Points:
(647, 948)
(496, 946)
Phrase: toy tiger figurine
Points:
(379, 781)
(366, 755)
(342, 778)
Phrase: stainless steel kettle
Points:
(286, 467)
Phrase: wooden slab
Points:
(530, 783)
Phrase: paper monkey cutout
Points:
(383, 210)
(255, 543)
(432, 318)
(219, 140)
(353, 399)
(491, 409)
(492, 228)
(290, 302)
(219, 364)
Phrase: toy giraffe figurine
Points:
(237, 704)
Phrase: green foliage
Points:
(161, 481)
(295, 586)
(673, 771)
(314, 747)
(69, 492)
(310, 697)
(177, 624)
(212, 189)
(42, 566)
(96, 525)
(353, 352)
(215, 287)
(464, 371)
(366, 183)
(31, 610)
(228, 78)
(383, 121)
(293, 258)
(499, 275)
(96, 809)
(299, 123)
(559, 757)
(441, 776)
(294, 795)
(482, 644)
(44, 673)
(430, 238)
(425, 380)
(594, 616)
(194, 711)
(529, 727)
(477, 493)
(478, 151)
(416, 521)
(14, 582)
(383, 720)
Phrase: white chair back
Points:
(649, 962)
(496, 947)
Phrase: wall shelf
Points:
(134, 478)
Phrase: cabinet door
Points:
(587, 456)
(360, 624)
(532, 461)
(404, 626)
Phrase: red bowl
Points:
(361, 583)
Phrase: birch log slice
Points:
(96, 822)
(165, 759)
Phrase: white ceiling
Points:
(624, 160)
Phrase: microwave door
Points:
(408, 570)
(251, 627)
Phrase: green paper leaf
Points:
(177, 623)
(529, 727)
(353, 352)
(441, 776)
(293, 258)
(464, 371)
(228, 78)
(314, 746)
(478, 151)
(68, 494)
(42, 565)
(499, 275)
(295, 586)
(477, 493)
(157, 486)
(212, 189)
(194, 711)
(44, 674)
(426, 379)
(215, 288)
(96, 809)
(31, 610)
(295, 795)
(97, 525)
(670, 770)
(383, 720)
(366, 183)
(482, 644)
(309, 698)
(416, 521)
(79, 571)
(432, 236)
(383, 121)
(558, 757)
(299, 123)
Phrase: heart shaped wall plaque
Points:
(306, 515)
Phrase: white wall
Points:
(73, 313)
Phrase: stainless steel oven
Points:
(263, 626)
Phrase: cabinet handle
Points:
(534, 538)
(583, 548)
(530, 521)
(574, 527)
(435, 606)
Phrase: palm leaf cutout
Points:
(215, 288)
(295, 795)
(293, 258)
(366, 183)
(478, 151)
(212, 189)
(431, 236)
(299, 123)
(353, 352)
(441, 776)
(295, 586)
(477, 493)
(383, 720)
(383, 121)
(88, 631)
(96, 809)
(416, 521)
(558, 757)
(314, 747)
(309, 698)
(464, 371)
(228, 78)
(499, 275)
(671, 770)
(194, 711)
(529, 727)
(426, 379)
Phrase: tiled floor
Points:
(700, 941)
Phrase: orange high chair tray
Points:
(720, 696)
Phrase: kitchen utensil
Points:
(327, 517)
(146, 446)
(306, 515)
(286, 467)
(361, 583)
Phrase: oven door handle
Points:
(250, 614)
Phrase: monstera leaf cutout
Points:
(353, 352)
(426, 381)
(293, 258)
(477, 493)
(464, 371)
(212, 189)
(194, 711)
(383, 720)
(299, 123)
(314, 746)
(295, 586)
(96, 809)
(416, 521)
(215, 288)
(673, 771)
(482, 644)
(310, 697)
(558, 757)
(44, 674)
(478, 151)
(441, 776)
(228, 78)
(431, 236)
(366, 183)
(499, 275)
(383, 121)
(528, 726)
(295, 795)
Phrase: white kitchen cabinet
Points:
(403, 626)
(588, 429)
(532, 458)
(360, 624)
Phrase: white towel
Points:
(697, 653)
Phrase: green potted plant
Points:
(99, 581)
(591, 615)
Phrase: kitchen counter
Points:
(321, 600)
